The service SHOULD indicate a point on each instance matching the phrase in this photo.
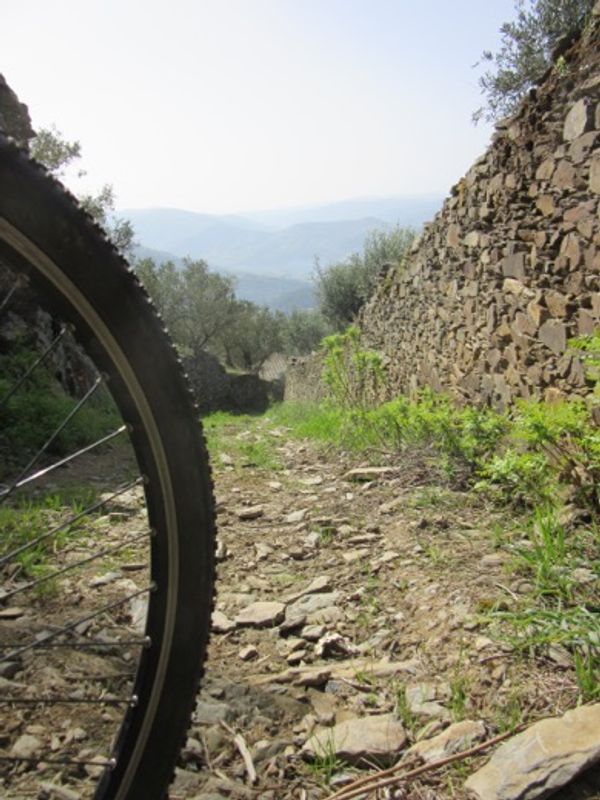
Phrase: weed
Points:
(560, 66)
(325, 763)
(500, 535)
(403, 709)
(354, 376)
(434, 554)
(509, 713)
(240, 436)
(259, 454)
(547, 558)
(587, 675)
(533, 456)
(536, 628)
(459, 695)
(326, 534)
(284, 579)
(518, 478)
(31, 519)
(363, 677)
(431, 497)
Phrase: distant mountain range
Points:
(272, 253)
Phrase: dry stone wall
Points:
(303, 380)
(508, 271)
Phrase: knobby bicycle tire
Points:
(68, 261)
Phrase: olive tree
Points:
(344, 287)
(527, 46)
(56, 153)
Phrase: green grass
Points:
(547, 559)
(435, 497)
(459, 696)
(321, 423)
(32, 415)
(403, 709)
(325, 764)
(560, 609)
(31, 518)
(243, 438)
(508, 714)
(587, 675)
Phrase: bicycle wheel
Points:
(49, 244)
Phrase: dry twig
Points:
(386, 777)
(242, 747)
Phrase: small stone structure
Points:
(508, 271)
(217, 390)
(303, 382)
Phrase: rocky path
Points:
(351, 630)
(354, 629)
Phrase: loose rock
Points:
(537, 762)
(455, 738)
(26, 746)
(250, 512)
(378, 738)
(265, 614)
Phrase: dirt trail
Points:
(348, 599)
(377, 588)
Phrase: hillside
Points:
(277, 292)
(282, 243)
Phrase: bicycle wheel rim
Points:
(170, 454)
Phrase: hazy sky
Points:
(233, 105)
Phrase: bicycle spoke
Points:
(53, 575)
(43, 472)
(70, 521)
(18, 481)
(71, 626)
(145, 642)
(63, 700)
(9, 295)
(109, 763)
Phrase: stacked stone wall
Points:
(508, 271)
(303, 383)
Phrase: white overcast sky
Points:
(233, 105)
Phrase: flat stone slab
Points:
(296, 516)
(249, 512)
(369, 473)
(319, 674)
(542, 759)
(378, 738)
(263, 614)
(457, 737)
(207, 713)
(221, 623)
(309, 603)
(320, 584)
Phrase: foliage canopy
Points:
(57, 154)
(345, 286)
(527, 46)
